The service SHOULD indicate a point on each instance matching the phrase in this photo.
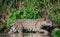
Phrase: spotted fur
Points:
(30, 24)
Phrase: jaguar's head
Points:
(47, 25)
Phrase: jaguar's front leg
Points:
(44, 32)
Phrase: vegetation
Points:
(55, 15)
(5, 6)
(56, 32)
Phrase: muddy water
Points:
(23, 35)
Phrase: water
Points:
(23, 35)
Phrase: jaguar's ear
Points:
(44, 19)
